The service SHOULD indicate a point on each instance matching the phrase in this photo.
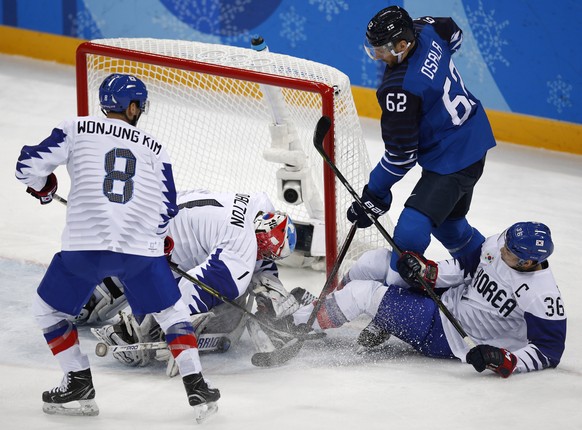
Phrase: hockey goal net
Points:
(236, 119)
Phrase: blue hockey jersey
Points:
(428, 115)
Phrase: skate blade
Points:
(203, 412)
(76, 408)
(364, 350)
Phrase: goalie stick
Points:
(292, 348)
(102, 349)
(213, 292)
(215, 343)
(324, 123)
(225, 299)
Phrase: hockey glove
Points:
(375, 206)
(499, 360)
(411, 265)
(168, 246)
(273, 301)
(45, 195)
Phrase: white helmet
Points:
(276, 235)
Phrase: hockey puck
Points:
(101, 349)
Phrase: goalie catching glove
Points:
(412, 266)
(499, 360)
(272, 299)
(266, 340)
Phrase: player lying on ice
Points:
(216, 240)
(504, 296)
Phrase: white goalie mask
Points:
(276, 235)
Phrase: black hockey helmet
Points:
(390, 25)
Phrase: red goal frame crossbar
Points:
(326, 92)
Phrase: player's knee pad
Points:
(458, 236)
(45, 315)
(412, 233)
(360, 297)
(372, 265)
(175, 314)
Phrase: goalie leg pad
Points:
(105, 302)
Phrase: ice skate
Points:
(303, 296)
(371, 337)
(200, 396)
(75, 396)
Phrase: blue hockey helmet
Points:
(529, 241)
(390, 25)
(118, 91)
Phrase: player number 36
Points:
(554, 306)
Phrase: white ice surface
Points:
(327, 386)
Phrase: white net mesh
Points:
(217, 128)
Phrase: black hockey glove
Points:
(45, 195)
(374, 206)
(411, 265)
(499, 360)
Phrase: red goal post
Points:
(213, 106)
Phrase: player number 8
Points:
(117, 175)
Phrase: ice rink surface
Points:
(327, 386)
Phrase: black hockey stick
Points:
(324, 124)
(225, 299)
(329, 286)
(292, 348)
(218, 295)
(60, 199)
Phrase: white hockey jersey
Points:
(214, 241)
(522, 312)
(122, 192)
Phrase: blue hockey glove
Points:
(374, 206)
(45, 195)
(499, 360)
